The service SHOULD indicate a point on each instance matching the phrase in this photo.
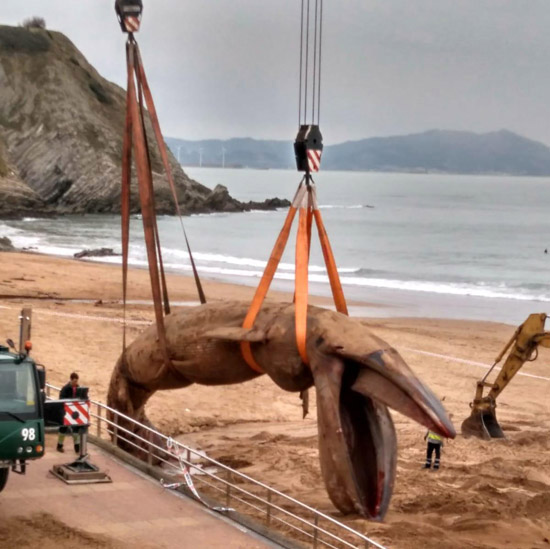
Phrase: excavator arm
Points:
(522, 347)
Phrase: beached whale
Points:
(356, 376)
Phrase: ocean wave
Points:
(220, 265)
(533, 286)
(208, 262)
(9, 231)
(344, 206)
(363, 272)
(57, 250)
(408, 285)
(244, 261)
(473, 290)
(212, 214)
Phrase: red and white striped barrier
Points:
(77, 413)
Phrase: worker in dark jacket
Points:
(68, 391)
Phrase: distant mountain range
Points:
(500, 152)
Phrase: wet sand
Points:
(487, 495)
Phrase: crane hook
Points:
(129, 14)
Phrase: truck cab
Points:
(21, 412)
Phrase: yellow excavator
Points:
(523, 347)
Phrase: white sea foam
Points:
(212, 214)
(57, 250)
(414, 286)
(208, 258)
(203, 264)
(478, 290)
(343, 206)
(481, 290)
(222, 266)
(9, 231)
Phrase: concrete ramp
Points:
(133, 510)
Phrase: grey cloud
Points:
(222, 68)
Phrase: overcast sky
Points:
(225, 68)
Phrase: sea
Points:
(409, 245)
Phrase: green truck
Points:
(25, 412)
(21, 412)
(22, 397)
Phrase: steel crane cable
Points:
(320, 62)
(311, 53)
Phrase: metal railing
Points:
(240, 493)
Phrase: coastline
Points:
(33, 275)
(426, 267)
(381, 302)
(259, 426)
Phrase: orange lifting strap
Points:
(135, 137)
(305, 201)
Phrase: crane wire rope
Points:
(306, 72)
(311, 51)
(314, 63)
(320, 62)
(301, 64)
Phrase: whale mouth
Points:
(357, 440)
(386, 377)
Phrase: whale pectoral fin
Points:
(357, 442)
(235, 333)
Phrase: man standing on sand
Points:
(68, 391)
(435, 442)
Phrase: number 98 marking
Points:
(28, 434)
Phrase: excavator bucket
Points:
(482, 424)
(522, 347)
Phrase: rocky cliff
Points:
(16, 197)
(61, 129)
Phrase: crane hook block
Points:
(129, 14)
(308, 148)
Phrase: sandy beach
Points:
(487, 495)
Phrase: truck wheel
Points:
(4, 477)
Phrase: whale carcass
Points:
(356, 376)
